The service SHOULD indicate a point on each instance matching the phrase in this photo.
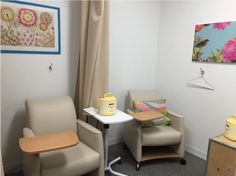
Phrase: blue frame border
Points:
(59, 29)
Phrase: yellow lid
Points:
(231, 120)
(108, 97)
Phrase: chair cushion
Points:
(76, 160)
(160, 136)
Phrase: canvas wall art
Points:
(29, 28)
(215, 43)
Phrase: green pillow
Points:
(162, 122)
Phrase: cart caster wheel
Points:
(137, 167)
(182, 161)
(119, 161)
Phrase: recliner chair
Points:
(154, 142)
(54, 115)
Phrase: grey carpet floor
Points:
(165, 167)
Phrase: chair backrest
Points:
(51, 115)
(143, 95)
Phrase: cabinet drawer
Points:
(221, 160)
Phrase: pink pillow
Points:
(158, 105)
(139, 105)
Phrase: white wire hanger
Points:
(200, 82)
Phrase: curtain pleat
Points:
(92, 77)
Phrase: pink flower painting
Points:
(215, 42)
(221, 26)
(198, 27)
(229, 51)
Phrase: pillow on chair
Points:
(157, 105)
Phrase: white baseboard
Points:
(115, 141)
(196, 152)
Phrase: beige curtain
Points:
(92, 78)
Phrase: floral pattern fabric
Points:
(27, 27)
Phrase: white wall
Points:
(133, 50)
(205, 111)
(27, 76)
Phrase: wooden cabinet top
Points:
(225, 141)
(45, 143)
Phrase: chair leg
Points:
(182, 161)
(137, 166)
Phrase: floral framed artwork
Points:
(215, 43)
(29, 28)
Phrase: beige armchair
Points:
(54, 115)
(154, 142)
